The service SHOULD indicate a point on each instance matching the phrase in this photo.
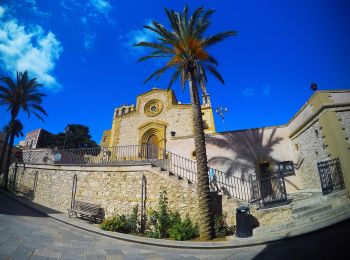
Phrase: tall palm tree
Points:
(22, 94)
(185, 46)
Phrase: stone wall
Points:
(345, 119)
(117, 189)
(310, 149)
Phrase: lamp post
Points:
(66, 130)
(220, 111)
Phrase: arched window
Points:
(123, 110)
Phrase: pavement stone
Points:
(23, 231)
(4, 257)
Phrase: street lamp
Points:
(220, 111)
(66, 130)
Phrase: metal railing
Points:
(231, 185)
(269, 190)
(178, 165)
(331, 176)
(91, 156)
(264, 191)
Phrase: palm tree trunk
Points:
(203, 192)
(3, 151)
(14, 113)
(12, 139)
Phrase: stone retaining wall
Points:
(310, 149)
(117, 189)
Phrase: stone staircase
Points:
(174, 178)
(311, 213)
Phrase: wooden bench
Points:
(25, 191)
(85, 209)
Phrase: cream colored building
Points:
(319, 131)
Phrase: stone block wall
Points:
(344, 116)
(310, 148)
(117, 189)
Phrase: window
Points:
(123, 110)
(286, 168)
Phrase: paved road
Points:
(25, 234)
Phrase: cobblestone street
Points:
(26, 234)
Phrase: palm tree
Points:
(185, 46)
(22, 94)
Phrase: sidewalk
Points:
(233, 242)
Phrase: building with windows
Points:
(34, 139)
(318, 132)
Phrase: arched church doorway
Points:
(152, 147)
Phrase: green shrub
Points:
(159, 221)
(122, 223)
(117, 224)
(133, 219)
(220, 226)
(184, 230)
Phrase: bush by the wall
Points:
(160, 223)
(122, 223)
(117, 224)
(221, 227)
(183, 230)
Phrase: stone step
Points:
(311, 211)
(327, 215)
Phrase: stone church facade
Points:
(158, 119)
(319, 131)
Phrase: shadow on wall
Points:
(247, 149)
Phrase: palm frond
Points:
(215, 73)
(154, 46)
(193, 20)
(157, 73)
(218, 37)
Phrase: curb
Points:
(232, 242)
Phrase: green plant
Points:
(184, 230)
(221, 227)
(122, 223)
(117, 224)
(133, 219)
(159, 221)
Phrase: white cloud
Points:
(248, 92)
(102, 6)
(89, 41)
(29, 49)
(266, 90)
(2, 11)
(36, 11)
(136, 36)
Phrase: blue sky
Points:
(82, 52)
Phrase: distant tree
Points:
(78, 136)
(21, 94)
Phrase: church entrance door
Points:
(153, 147)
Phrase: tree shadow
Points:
(249, 148)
